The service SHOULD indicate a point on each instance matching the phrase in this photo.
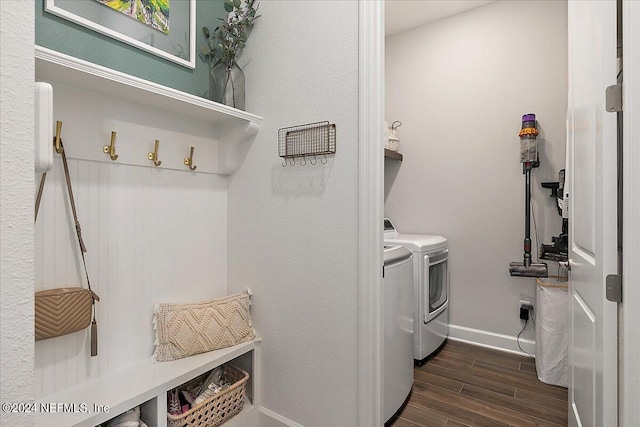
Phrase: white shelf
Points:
(132, 386)
(71, 71)
(235, 126)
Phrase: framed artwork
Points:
(163, 27)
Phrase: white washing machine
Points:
(430, 288)
(397, 318)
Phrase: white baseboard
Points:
(271, 419)
(492, 340)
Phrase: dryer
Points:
(430, 288)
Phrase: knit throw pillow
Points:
(186, 329)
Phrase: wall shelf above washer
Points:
(394, 155)
(233, 125)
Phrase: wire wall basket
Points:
(310, 140)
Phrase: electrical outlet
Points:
(525, 308)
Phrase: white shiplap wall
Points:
(153, 235)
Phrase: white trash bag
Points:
(552, 306)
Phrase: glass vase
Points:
(226, 84)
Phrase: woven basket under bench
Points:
(218, 408)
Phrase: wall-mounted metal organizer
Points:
(310, 140)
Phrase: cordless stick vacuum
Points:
(529, 160)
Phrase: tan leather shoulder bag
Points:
(62, 311)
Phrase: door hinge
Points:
(383, 271)
(614, 287)
(613, 98)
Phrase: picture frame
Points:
(175, 41)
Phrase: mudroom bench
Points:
(146, 384)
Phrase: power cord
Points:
(518, 339)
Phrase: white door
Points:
(592, 244)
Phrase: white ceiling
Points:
(401, 15)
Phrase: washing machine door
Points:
(436, 273)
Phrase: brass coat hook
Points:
(189, 160)
(111, 149)
(154, 156)
(57, 140)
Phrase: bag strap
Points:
(83, 248)
(39, 196)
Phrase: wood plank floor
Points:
(466, 385)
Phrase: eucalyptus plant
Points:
(225, 42)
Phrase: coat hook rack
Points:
(189, 160)
(111, 149)
(57, 139)
(154, 156)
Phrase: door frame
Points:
(370, 210)
(370, 202)
(631, 212)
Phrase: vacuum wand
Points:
(527, 222)
(529, 158)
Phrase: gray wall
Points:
(64, 36)
(293, 230)
(460, 86)
(16, 208)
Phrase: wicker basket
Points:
(218, 408)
